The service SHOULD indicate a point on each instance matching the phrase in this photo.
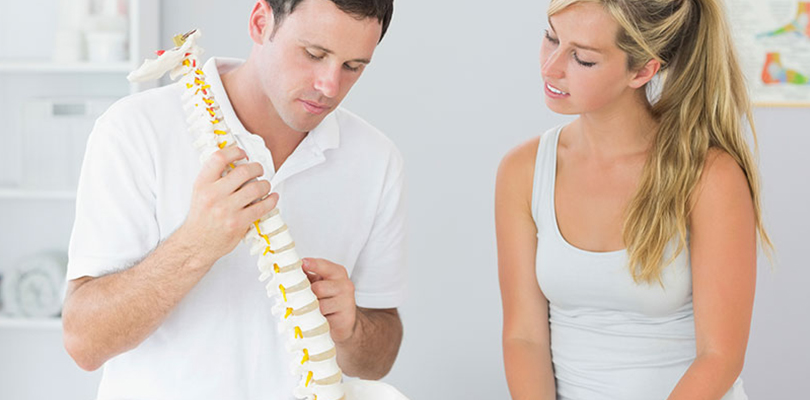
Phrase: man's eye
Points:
(313, 56)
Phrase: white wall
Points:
(778, 350)
(456, 84)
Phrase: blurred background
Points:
(455, 84)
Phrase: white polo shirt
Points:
(341, 193)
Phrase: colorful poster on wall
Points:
(773, 42)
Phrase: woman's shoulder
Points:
(520, 160)
(722, 183)
(515, 176)
(720, 172)
(523, 153)
(518, 163)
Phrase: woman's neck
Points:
(624, 128)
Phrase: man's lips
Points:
(313, 107)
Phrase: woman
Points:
(627, 238)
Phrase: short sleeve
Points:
(380, 274)
(115, 223)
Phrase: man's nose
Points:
(328, 81)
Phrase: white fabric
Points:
(371, 390)
(341, 195)
(610, 337)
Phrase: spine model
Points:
(300, 319)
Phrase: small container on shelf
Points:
(106, 46)
(69, 46)
(33, 290)
(107, 32)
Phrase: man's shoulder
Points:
(143, 120)
(158, 103)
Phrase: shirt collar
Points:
(323, 137)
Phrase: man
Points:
(160, 291)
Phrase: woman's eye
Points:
(583, 63)
(551, 39)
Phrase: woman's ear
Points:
(645, 74)
(262, 22)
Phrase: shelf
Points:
(31, 194)
(32, 67)
(54, 324)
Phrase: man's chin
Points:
(305, 125)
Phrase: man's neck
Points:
(257, 114)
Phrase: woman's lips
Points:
(554, 92)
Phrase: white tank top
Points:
(610, 337)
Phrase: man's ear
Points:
(645, 74)
(262, 22)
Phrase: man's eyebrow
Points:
(577, 45)
(327, 51)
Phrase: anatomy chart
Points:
(773, 43)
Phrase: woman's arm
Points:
(723, 254)
(527, 355)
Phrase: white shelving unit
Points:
(51, 324)
(50, 106)
(34, 75)
(29, 67)
(37, 77)
(143, 39)
(23, 194)
(39, 192)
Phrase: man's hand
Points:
(367, 340)
(335, 293)
(106, 316)
(222, 208)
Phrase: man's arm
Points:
(112, 314)
(373, 347)
(367, 340)
(108, 315)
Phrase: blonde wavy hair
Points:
(702, 104)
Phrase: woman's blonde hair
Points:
(702, 104)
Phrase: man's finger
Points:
(261, 207)
(325, 268)
(324, 289)
(250, 192)
(241, 176)
(212, 169)
(330, 306)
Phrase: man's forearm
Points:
(106, 316)
(370, 352)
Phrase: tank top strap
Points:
(545, 167)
